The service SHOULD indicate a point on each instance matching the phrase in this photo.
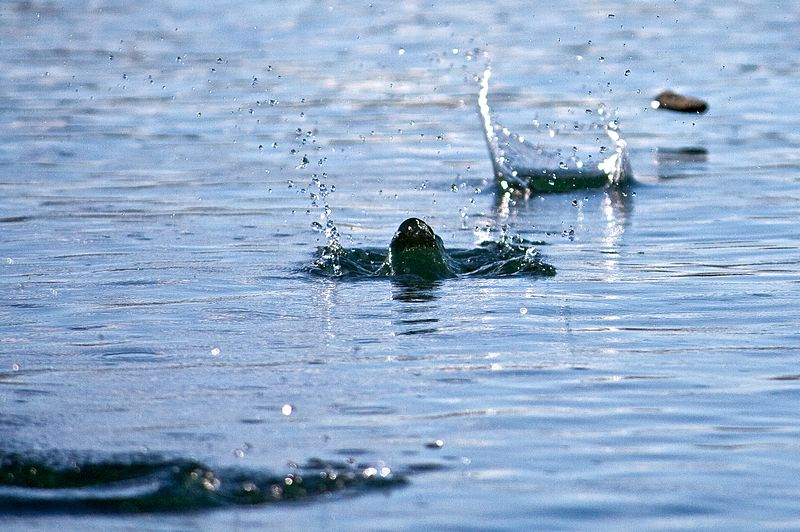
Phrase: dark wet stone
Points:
(673, 101)
(416, 250)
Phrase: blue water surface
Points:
(167, 173)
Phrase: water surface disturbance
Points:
(416, 252)
(145, 484)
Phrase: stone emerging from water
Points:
(673, 101)
(416, 250)
(416, 253)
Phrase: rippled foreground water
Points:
(167, 361)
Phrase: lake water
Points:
(158, 322)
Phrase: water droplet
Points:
(523, 310)
(215, 351)
(316, 226)
(15, 367)
(627, 72)
(611, 15)
(453, 188)
(401, 51)
(602, 59)
(287, 410)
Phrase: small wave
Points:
(520, 164)
(140, 483)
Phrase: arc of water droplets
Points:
(616, 166)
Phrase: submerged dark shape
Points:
(672, 101)
(417, 255)
(521, 165)
(140, 483)
(416, 250)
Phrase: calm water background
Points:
(155, 218)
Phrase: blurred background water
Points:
(161, 165)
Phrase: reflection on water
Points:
(675, 163)
(606, 213)
(617, 209)
(413, 291)
(417, 312)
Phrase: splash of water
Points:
(544, 166)
(326, 224)
(318, 191)
(510, 256)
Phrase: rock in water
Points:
(673, 101)
(417, 251)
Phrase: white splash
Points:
(520, 163)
